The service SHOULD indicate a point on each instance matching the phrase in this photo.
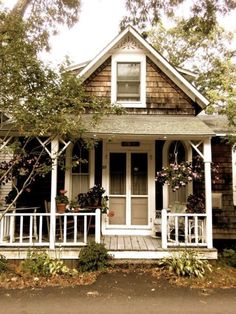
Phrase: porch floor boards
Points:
(131, 243)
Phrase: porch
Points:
(21, 232)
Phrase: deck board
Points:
(131, 243)
(128, 244)
(120, 243)
(135, 243)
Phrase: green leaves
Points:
(187, 264)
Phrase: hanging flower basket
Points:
(178, 175)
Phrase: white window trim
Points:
(141, 58)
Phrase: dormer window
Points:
(129, 80)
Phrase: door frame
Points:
(144, 147)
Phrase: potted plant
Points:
(93, 197)
(61, 201)
(196, 203)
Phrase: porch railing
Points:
(46, 230)
(183, 229)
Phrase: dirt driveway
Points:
(133, 292)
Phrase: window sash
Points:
(128, 81)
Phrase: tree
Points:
(149, 12)
(37, 100)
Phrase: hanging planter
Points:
(178, 175)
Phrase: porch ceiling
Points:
(158, 126)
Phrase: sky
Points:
(98, 25)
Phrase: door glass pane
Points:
(139, 211)
(139, 174)
(118, 173)
(118, 205)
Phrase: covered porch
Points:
(176, 230)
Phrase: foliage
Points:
(41, 264)
(62, 198)
(94, 197)
(93, 257)
(229, 256)
(187, 265)
(149, 12)
(178, 175)
(43, 17)
(3, 263)
(196, 203)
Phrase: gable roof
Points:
(155, 56)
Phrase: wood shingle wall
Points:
(162, 95)
(224, 220)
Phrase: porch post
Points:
(98, 225)
(208, 191)
(54, 154)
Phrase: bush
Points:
(187, 265)
(229, 257)
(41, 264)
(3, 263)
(92, 257)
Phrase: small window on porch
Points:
(128, 81)
(80, 169)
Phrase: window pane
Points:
(128, 81)
(128, 71)
(117, 173)
(139, 174)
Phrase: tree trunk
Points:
(20, 7)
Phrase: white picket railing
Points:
(33, 229)
(183, 229)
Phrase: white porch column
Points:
(208, 190)
(54, 156)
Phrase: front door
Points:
(128, 189)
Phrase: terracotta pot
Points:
(61, 208)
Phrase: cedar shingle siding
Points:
(163, 96)
(99, 83)
(224, 220)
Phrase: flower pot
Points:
(61, 208)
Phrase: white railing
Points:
(33, 229)
(183, 229)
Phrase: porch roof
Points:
(151, 125)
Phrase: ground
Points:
(222, 276)
(120, 291)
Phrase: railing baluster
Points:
(21, 229)
(65, 229)
(40, 228)
(75, 229)
(85, 229)
(31, 230)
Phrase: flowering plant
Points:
(196, 203)
(62, 198)
(178, 175)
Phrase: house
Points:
(160, 120)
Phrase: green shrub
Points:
(3, 263)
(187, 264)
(41, 264)
(92, 257)
(229, 257)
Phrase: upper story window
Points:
(128, 81)
(128, 86)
